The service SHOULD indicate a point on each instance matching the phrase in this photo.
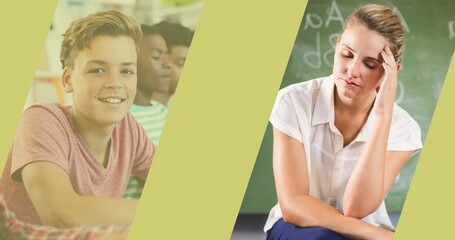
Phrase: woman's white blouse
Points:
(305, 112)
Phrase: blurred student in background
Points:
(178, 40)
(153, 76)
(163, 52)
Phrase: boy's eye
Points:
(156, 56)
(128, 71)
(96, 70)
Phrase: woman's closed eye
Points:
(370, 65)
(347, 54)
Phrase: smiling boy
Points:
(69, 165)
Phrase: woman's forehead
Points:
(363, 40)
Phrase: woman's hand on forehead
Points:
(388, 88)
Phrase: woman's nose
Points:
(353, 69)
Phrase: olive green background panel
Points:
(430, 41)
(429, 209)
(217, 120)
(24, 27)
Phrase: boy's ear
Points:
(66, 80)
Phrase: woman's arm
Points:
(372, 176)
(376, 168)
(57, 204)
(298, 207)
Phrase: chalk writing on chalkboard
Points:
(451, 29)
(317, 57)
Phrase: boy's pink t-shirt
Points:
(45, 133)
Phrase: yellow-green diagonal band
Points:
(217, 119)
(24, 27)
(429, 208)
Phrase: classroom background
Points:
(430, 42)
(47, 86)
(430, 33)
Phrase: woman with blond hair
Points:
(340, 141)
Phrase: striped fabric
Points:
(134, 188)
(152, 119)
(13, 229)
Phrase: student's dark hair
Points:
(82, 31)
(382, 20)
(149, 30)
(175, 34)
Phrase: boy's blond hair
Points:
(82, 31)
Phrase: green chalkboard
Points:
(430, 42)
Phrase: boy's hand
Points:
(57, 204)
(123, 235)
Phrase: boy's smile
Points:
(112, 100)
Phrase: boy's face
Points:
(153, 65)
(177, 57)
(103, 81)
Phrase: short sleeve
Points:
(41, 136)
(145, 151)
(405, 133)
(284, 115)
